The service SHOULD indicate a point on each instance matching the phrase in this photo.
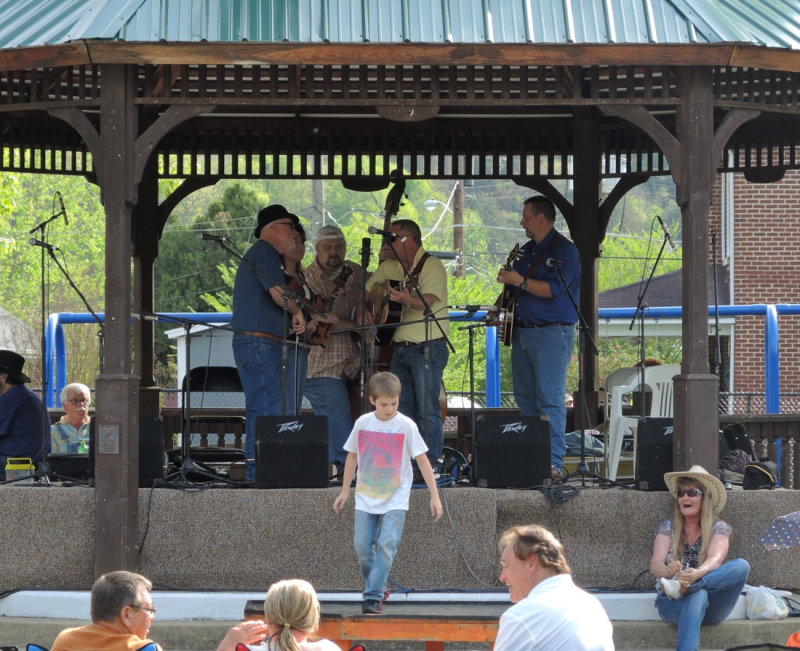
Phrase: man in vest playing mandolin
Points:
(335, 354)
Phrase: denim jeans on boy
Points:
(376, 537)
(258, 361)
(539, 360)
(408, 364)
(709, 601)
(329, 397)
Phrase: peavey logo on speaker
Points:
(514, 428)
(291, 426)
(668, 430)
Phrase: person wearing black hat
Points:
(20, 414)
(258, 321)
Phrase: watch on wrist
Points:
(524, 284)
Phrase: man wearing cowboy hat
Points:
(21, 430)
(259, 322)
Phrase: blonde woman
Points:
(695, 585)
(291, 611)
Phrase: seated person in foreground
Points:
(550, 613)
(695, 586)
(291, 611)
(70, 435)
(122, 612)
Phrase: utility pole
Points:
(458, 228)
(318, 207)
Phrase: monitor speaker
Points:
(653, 453)
(152, 455)
(292, 452)
(511, 451)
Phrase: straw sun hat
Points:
(712, 487)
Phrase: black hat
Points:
(11, 364)
(270, 214)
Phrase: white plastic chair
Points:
(658, 379)
(621, 377)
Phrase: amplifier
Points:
(292, 452)
(511, 451)
(653, 453)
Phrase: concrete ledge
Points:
(223, 539)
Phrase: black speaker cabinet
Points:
(653, 453)
(292, 452)
(511, 451)
(152, 456)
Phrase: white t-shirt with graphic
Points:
(384, 449)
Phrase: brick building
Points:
(759, 243)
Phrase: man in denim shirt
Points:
(543, 337)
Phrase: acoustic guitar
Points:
(322, 334)
(506, 304)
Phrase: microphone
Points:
(552, 262)
(475, 308)
(672, 247)
(213, 238)
(387, 234)
(63, 209)
(34, 242)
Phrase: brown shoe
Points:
(555, 473)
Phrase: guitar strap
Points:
(417, 270)
(535, 264)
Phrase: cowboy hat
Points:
(712, 487)
(11, 363)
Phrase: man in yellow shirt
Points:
(420, 338)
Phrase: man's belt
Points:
(405, 344)
(263, 335)
(519, 324)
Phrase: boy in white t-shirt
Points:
(381, 446)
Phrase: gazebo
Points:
(127, 93)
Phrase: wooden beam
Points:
(117, 415)
(393, 54)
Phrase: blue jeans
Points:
(408, 364)
(258, 361)
(708, 601)
(376, 537)
(329, 397)
(539, 360)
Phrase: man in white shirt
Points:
(550, 613)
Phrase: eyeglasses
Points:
(77, 401)
(151, 611)
(691, 492)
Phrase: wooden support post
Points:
(117, 449)
(696, 389)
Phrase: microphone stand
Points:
(100, 323)
(188, 465)
(429, 316)
(471, 351)
(584, 337)
(44, 466)
(640, 307)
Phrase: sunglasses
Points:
(691, 492)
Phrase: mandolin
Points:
(322, 334)
(506, 305)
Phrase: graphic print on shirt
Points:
(380, 456)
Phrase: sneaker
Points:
(372, 607)
(671, 587)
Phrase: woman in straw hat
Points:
(695, 585)
(291, 611)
